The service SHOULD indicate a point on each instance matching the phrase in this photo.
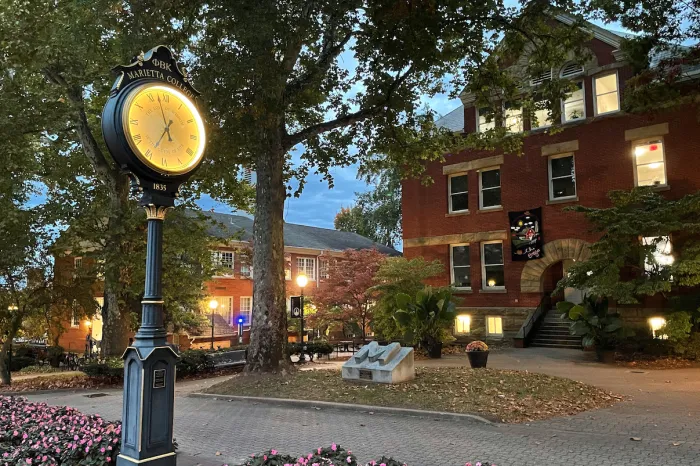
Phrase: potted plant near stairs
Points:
(595, 325)
(478, 354)
(426, 319)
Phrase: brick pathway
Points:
(664, 412)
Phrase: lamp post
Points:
(302, 281)
(213, 304)
(240, 330)
(10, 308)
(88, 346)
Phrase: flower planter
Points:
(435, 351)
(478, 359)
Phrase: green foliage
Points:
(677, 327)
(55, 354)
(193, 362)
(592, 321)
(621, 266)
(376, 213)
(112, 368)
(20, 362)
(398, 275)
(427, 317)
(322, 348)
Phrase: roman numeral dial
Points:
(163, 128)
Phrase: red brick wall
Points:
(603, 163)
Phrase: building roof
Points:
(295, 235)
(454, 121)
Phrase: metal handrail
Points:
(529, 324)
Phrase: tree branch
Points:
(346, 120)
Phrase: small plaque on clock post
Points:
(159, 378)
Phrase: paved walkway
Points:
(663, 413)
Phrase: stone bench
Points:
(228, 358)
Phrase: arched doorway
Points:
(542, 275)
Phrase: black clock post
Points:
(149, 364)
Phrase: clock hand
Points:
(161, 110)
(167, 128)
(161, 136)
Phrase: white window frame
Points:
(311, 277)
(595, 92)
(246, 271)
(521, 118)
(78, 262)
(483, 266)
(287, 271)
(481, 189)
(551, 183)
(324, 268)
(478, 119)
(536, 128)
(248, 313)
(563, 101)
(487, 326)
(458, 320)
(217, 256)
(74, 323)
(643, 142)
(452, 270)
(450, 193)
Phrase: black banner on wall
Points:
(526, 235)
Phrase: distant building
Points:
(307, 250)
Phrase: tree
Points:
(633, 257)
(376, 213)
(398, 275)
(275, 82)
(346, 296)
(60, 53)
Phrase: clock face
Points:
(164, 128)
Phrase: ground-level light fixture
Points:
(656, 324)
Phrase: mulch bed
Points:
(508, 396)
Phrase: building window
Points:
(463, 324)
(223, 260)
(607, 97)
(246, 309)
(75, 318)
(650, 165)
(246, 271)
(485, 120)
(460, 266)
(490, 192)
(459, 193)
(287, 267)
(78, 263)
(659, 255)
(537, 80)
(656, 324)
(542, 116)
(305, 265)
(494, 326)
(574, 106)
(562, 177)
(571, 70)
(492, 271)
(513, 120)
(323, 269)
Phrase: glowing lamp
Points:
(213, 304)
(302, 280)
(657, 323)
(639, 151)
(491, 282)
(240, 320)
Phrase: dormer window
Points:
(486, 120)
(513, 120)
(574, 106)
(571, 70)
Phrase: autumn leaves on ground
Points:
(499, 395)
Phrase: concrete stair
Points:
(554, 333)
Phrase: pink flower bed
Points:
(39, 434)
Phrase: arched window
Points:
(537, 80)
(571, 70)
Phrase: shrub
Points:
(39, 370)
(321, 348)
(111, 368)
(55, 354)
(36, 433)
(194, 362)
(20, 362)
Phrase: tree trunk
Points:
(4, 362)
(267, 351)
(115, 320)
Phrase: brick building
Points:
(307, 250)
(462, 219)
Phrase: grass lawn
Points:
(509, 396)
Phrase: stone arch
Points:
(554, 251)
